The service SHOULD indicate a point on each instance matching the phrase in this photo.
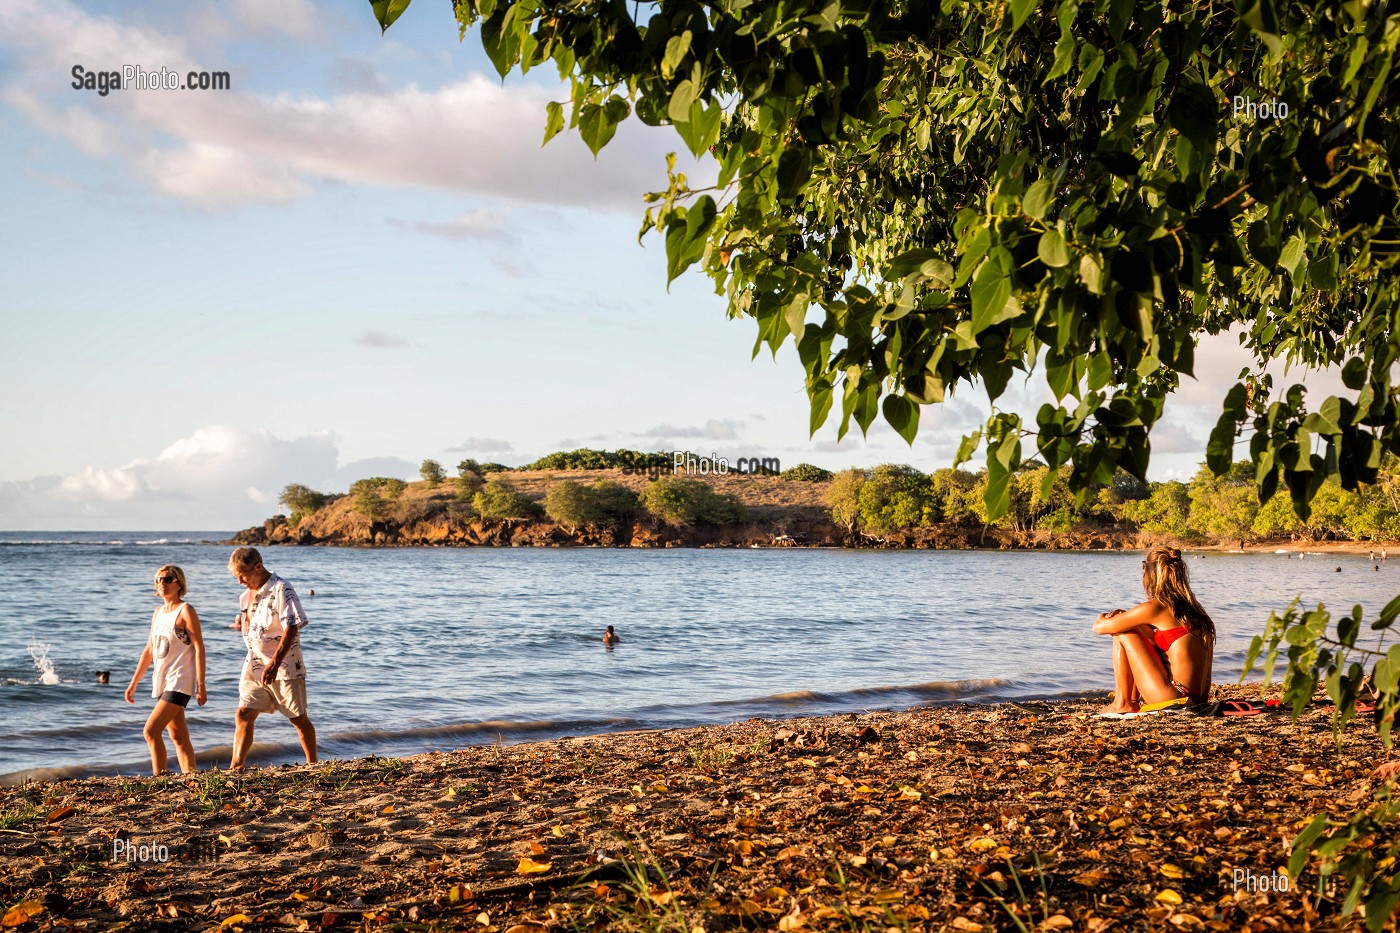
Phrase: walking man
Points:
(274, 675)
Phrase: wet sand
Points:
(953, 817)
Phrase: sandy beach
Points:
(957, 817)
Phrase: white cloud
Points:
(478, 224)
(295, 18)
(483, 445)
(218, 478)
(380, 340)
(222, 148)
(396, 467)
(715, 430)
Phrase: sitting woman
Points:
(1162, 648)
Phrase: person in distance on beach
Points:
(1162, 648)
(176, 645)
(274, 674)
(610, 637)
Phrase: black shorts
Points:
(176, 697)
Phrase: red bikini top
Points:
(1165, 636)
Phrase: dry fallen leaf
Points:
(529, 866)
(21, 913)
(1057, 922)
(236, 918)
(61, 812)
(1173, 871)
(966, 925)
(1168, 896)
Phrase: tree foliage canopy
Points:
(922, 195)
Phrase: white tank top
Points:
(173, 653)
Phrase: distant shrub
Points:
(843, 497)
(580, 506)
(301, 501)
(956, 493)
(581, 459)
(896, 497)
(368, 501)
(637, 460)
(683, 501)
(494, 468)
(498, 499)
(374, 494)
(616, 500)
(468, 485)
(468, 466)
(432, 473)
(1164, 511)
(586, 458)
(806, 473)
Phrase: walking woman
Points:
(176, 645)
(1163, 647)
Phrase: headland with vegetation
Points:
(632, 499)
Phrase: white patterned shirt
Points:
(268, 614)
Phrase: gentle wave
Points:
(498, 727)
(938, 689)
(419, 739)
(218, 755)
(157, 542)
(112, 539)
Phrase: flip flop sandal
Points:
(1166, 706)
(1239, 708)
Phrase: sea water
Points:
(413, 649)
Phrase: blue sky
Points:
(356, 258)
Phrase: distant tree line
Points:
(893, 498)
(899, 498)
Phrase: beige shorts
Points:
(287, 697)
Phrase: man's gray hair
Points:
(245, 557)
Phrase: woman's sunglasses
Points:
(168, 578)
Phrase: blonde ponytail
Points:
(1164, 579)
